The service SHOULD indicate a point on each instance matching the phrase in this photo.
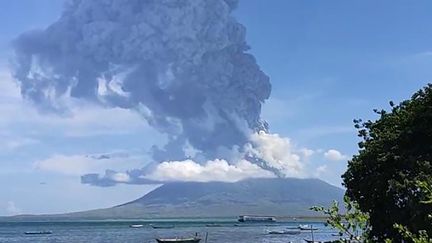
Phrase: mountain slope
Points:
(247, 191)
(281, 197)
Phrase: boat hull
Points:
(284, 232)
(162, 227)
(38, 232)
(136, 226)
(248, 218)
(311, 241)
(188, 240)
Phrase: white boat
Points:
(307, 227)
(136, 225)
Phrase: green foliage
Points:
(395, 153)
(352, 225)
(422, 236)
(426, 189)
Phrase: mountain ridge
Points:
(261, 196)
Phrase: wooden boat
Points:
(162, 226)
(178, 240)
(38, 232)
(284, 232)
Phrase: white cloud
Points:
(77, 165)
(120, 177)
(12, 209)
(335, 155)
(306, 153)
(278, 153)
(320, 170)
(69, 165)
(214, 170)
(11, 143)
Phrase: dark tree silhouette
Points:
(395, 154)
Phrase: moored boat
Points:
(38, 232)
(306, 227)
(254, 218)
(314, 241)
(162, 226)
(178, 240)
(136, 226)
(284, 232)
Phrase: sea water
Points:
(221, 231)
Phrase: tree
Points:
(352, 224)
(422, 236)
(394, 155)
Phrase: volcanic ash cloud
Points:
(182, 64)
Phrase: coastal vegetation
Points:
(388, 183)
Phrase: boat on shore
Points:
(45, 232)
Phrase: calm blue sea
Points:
(225, 231)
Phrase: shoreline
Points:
(41, 219)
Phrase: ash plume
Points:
(182, 64)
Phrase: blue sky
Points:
(329, 62)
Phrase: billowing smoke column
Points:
(182, 64)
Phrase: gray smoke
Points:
(182, 64)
